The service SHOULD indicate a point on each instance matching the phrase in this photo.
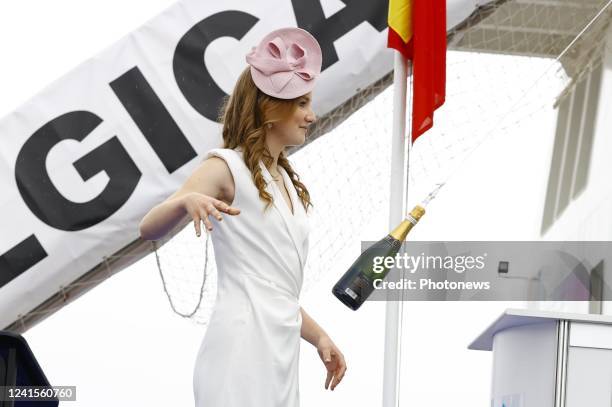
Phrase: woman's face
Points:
(292, 131)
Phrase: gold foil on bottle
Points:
(403, 228)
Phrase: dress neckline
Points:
(286, 181)
(291, 192)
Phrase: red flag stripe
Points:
(395, 41)
(429, 63)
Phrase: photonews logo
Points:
(458, 264)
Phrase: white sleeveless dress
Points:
(249, 354)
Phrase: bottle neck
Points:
(402, 229)
(409, 221)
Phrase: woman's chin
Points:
(298, 141)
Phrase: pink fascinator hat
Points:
(286, 63)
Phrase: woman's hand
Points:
(200, 206)
(333, 360)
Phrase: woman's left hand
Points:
(333, 360)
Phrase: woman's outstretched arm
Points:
(200, 196)
(329, 353)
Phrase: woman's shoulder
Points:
(236, 175)
(222, 150)
(227, 154)
(232, 157)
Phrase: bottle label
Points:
(361, 287)
(351, 293)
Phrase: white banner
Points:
(88, 156)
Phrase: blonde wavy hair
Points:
(245, 114)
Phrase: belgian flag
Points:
(417, 29)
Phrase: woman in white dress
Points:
(249, 354)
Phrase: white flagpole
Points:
(400, 148)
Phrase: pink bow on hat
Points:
(280, 62)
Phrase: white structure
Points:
(546, 359)
(576, 201)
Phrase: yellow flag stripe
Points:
(399, 18)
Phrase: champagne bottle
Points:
(356, 285)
